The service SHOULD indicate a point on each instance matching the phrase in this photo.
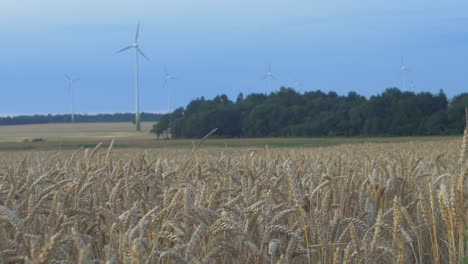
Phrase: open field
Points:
(73, 136)
(358, 203)
(70, 136)
(57, 132)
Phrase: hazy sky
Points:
(215, 47)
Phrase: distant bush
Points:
(88, 145)
(37, 140)
(79, 118)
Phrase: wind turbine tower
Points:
(72, 100)
(167, 79)
(269, 76)
(138, 52)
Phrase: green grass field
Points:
(72, 136)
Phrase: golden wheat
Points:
(369, 203)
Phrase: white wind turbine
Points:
(269, 76)
(167, 79)
(297, 84)
(138, 52)
(404, 75)
(72, 100)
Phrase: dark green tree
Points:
(287, 113)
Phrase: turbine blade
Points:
(137, 32)
(124, 49)
(142, 54)
(68, 77)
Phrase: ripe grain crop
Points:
(368, 203)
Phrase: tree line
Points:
(288, 113)
(79, 118)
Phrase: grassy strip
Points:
(145, 143)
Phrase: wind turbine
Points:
(404, 75)
(167, 79)
(297, 84)
(138, 52)
(269, 76)
(70, 89)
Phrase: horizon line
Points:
(83, 113)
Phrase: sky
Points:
(217, 47)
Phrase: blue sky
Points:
(215, 47)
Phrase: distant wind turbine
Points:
(138, 52)
(70, 89)
(404, 75)
(269, 76)
(167, 79)
(297, 84)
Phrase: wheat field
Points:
(75, 131)
(367, 203)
